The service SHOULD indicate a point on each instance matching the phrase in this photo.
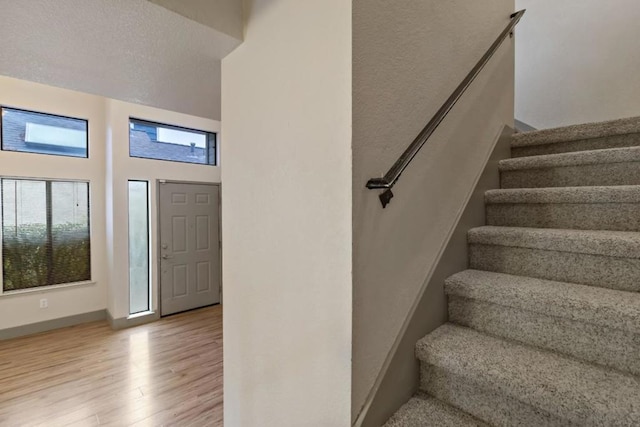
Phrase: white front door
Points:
(189, 246)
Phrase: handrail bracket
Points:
(385, 197)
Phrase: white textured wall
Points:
(408, 56)
(20, 309)
(577, 61)
(222, 15)
(120, 169)
(286, 208)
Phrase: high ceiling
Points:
(130, 50)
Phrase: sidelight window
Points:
(138, 247)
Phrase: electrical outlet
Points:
(44, 303)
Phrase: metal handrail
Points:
(391, 177)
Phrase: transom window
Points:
(31, 132)
(45, 233)
(157, 141)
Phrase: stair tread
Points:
(625, 244)
(577, 132)
(603, 307)
(425, 411)
(567, 195)
(575, 158)
(557, 384)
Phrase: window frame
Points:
(209, 150)
(4, 107)
(43, 288)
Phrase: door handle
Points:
(165, 256)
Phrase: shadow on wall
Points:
(254, 8)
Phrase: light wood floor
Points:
(164, 373)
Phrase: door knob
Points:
(165, 256)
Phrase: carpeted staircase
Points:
(545, 325)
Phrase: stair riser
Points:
(602, 174)
(601, 345)
(487, 404)
(563, 387)
(616, 141)
(593, 270)
(582, 216)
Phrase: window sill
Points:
(42, 289)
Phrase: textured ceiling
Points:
(130, 50)
(222, 15)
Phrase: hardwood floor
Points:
(164, 373)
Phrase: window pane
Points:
(138, 246)
(45, 233)
(70, 232)
(163, 142)
(32, 132)
(24, 234)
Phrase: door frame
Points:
(158, 245)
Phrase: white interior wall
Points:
(120, 169)
(17, 309)
(286, 206)
(577, 61)
(108, 169)
(409, 56)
